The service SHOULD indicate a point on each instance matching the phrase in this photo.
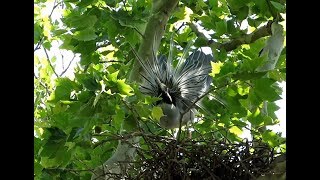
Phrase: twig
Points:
(50, 62)
(139, 32)
(65, 70)
(214, 177)
(183, 23)
(110, 61)
(42, 38)
(234, 43)
(247, 38)
(38, 44)
(54, 7)
(194, 28)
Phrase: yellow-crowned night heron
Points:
(179, 86)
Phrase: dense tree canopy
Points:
(81, 117)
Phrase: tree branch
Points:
(161, 11)
(38, 44)
(45, 51)
(247, 38)
(56, 4)
(110, 61)
(65, 70)
(194, 28)
(42, 38)
(234, 43)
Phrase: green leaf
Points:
(235, 130)
(55, 141)
(85, 95)
(236, 4)
(227, 68)
(200, 42)
(268, 120)
(216, 66)
(86, 34)
(132, 37)
(85, 47)
(113, 76)
(243, 13)
(112, 28)
(278, 6)
(252, 64)
(47, 45)
(234, 105)
(231, 26)
(271, 138)
(207, 22)
(255, 118)
(36, 144)
(124, 88)
(263, 88)
(150, 100)
(81, 22)
(213, 3)
(262, 8)
(88, 81)
(157, 113)
(221, 27)
(62, 91)
(58, 32)
(255, 22)
(239, 123)
(85, 3)
(271, 109)
(37, 33)
(91, 58)
(118, 118)
(130, 123)
(37, 168)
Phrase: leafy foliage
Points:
(75, 114)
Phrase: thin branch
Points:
(43, 85)
(62, 60)
(194, 28)
(50, 62)
(65, 70)
(35, 76)
(247, 38)
(213, 176)
(180, 27)
(110, 61)
(54, 7)
(42, 38)
(38, 44)
(234, 43)
(137, 30)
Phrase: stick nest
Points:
(166, 158)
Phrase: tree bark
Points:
(161, 11)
